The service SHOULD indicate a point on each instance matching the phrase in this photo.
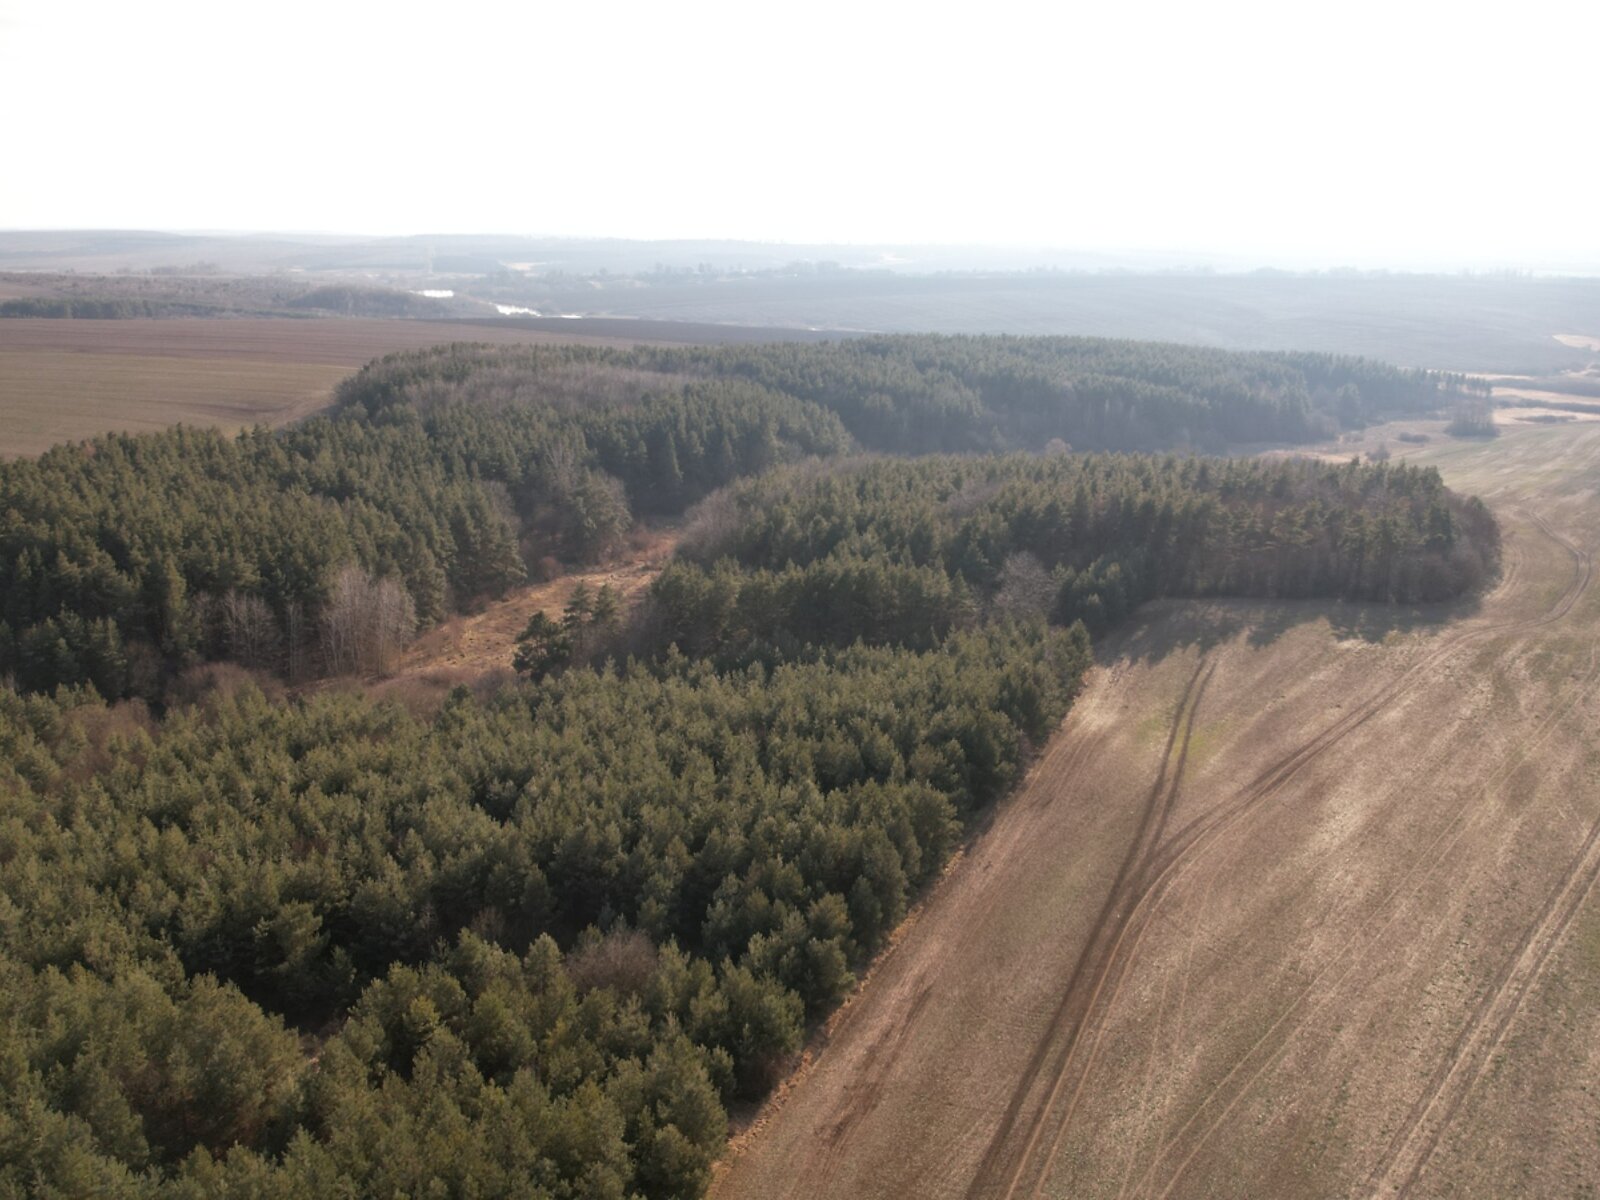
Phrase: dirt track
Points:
(1298, 903)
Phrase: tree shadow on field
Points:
(1163, 627)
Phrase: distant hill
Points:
(1504, 324)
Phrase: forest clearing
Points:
(1216, 946)
(478, 648)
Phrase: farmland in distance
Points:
(66, 380)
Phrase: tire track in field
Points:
(1350, 955)
(1124, 888)
(1437, 852)
(1486, 1030)
(1161, 871)
(862, 1096)
(1418, 1138)
(1059, 761)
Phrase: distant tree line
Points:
(346, 300)
(942, 394)
(201, 291)
(89, 308)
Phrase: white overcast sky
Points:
(1352, 132)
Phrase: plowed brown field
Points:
(1299, 902)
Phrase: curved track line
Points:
(1350, 955)
(1162, 868)
(1453, 831)
(1070, 1014)
(1138, 892)
(1414, 1145)
(1478, 1041)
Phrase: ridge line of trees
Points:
(451, 473)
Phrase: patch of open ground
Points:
(1298, 902)
(1578, 341)
(1536, 414)
(478, 647)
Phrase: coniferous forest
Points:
(274, 942)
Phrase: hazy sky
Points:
(1365, 133)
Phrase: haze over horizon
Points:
(1435, 137)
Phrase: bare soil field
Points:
(64, 380)
(1298, 902)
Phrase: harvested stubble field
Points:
(64, 380)
(1298, 902)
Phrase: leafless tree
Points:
(251, 630)
(710, 524)
(393, 621)
(365, 623)
(1026, 588)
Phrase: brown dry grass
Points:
(1542, 396)
(476, 649)
(1534, 414)
(1298, 903)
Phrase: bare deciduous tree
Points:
(251, 630)
(1027, 589)
(365, 623)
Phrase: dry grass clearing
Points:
(477, 648)
(1299, 902)
(1578, 341)
(69, 380)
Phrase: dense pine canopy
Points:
(452, 471)
(536, 942)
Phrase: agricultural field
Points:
(65, 380)
(1298, 902)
